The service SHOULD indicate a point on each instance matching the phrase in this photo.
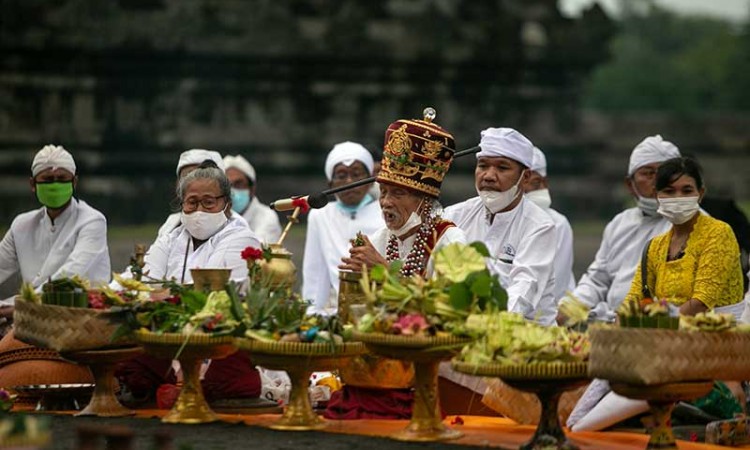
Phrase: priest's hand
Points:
(362, 255)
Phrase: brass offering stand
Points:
(190, 350)
(299, 360)
(661, 399)
(547, 381)
(102, 364)
(425, 353)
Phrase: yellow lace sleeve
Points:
(718, 277)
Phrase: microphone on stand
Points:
(320, 199)
(317, 200)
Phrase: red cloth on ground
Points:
(232, 377)
(352, 403)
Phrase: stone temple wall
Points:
(127, 85)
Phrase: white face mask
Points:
(648, 206)
(202, 225)
(678, 210)
(497, 201)
(414, 220)
(541, 197)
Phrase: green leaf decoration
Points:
(481, 286)
(377, 273)
(481, 248)
(460, 296)
(456, 261)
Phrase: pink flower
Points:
(96, 300)
(410, 324)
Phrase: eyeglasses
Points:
(354, 176)
(191, 204)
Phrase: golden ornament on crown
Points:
(417, 154)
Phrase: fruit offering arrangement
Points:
(507, 338)
(461, 286)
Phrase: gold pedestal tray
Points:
(190, 351)
(426, 354)
(547, 381)
(661, 399)
(299, 360)
(102, 364)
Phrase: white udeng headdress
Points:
(53, 157)
(347, 153)
(651, 150)
(506, 142)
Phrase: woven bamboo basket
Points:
(64, 328)
(654, 356)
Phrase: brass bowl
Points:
(190, 350)
(547, 381)
(299, 360)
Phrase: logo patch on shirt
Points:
(509, 251)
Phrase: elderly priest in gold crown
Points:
(416, 157)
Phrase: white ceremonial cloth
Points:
(174, 220)
(76, 244)
(263, 221)
(522, 244)
(450, 236)
(564, 279)
(165, 258)
(607, 280)
(329, 230)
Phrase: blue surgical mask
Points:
(352, 210)
(240, 200)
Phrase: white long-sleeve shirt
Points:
(165, 258)
(564, 278)
(449, 236)
(607, 280)
(522, 245)
(38, 249)
(329, 230)
(263, 221)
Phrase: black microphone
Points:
(317, 200)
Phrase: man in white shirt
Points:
(416, 157)
(262, 220)
(64, 237)
(536, 189)
(519, 234)
(331, 228)
(608, 278)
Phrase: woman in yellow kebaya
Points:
(696, 264)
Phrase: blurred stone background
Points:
(126, 85)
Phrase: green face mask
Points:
(54, 195)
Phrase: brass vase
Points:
(279, 271)
(425, 353)
(299, 360)
(190, 350)
(210, 279)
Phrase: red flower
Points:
(175, 300)
(252, 253)
(96, 300)
(301, 202)
(458, 420)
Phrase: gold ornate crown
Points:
(417, 154)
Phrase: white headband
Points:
(653, 149)
(196, 156)
(241, 164)
(347, 153)
(506, 142)
(539, 163)
(52, 157)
